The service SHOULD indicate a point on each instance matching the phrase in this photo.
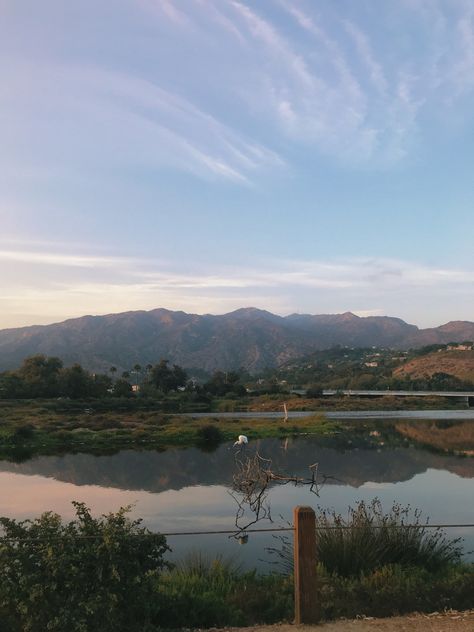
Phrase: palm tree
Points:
(137, 369)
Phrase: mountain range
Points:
(248, 337)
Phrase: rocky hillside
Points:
(249, 338)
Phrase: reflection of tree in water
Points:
(252, 479)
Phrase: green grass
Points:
(209, 593)
(52, 425)
(48, 426)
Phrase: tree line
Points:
(40, 376)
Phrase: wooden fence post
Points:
(306, 606)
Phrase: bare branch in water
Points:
(252, 479)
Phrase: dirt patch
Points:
(451, 621)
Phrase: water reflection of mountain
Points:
(159, 471)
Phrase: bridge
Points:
(467, 396)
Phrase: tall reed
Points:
(367, 539)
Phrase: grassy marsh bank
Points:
(105, 425)
(52, 424)
(274, 403)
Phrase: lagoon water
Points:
(188, 489)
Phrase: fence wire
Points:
(237, 532)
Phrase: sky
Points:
(206, 155)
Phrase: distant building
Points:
(460, 347)
(371, 364)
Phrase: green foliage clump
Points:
(209, 435)
(225, 383)
(164, 379)
(40, 376)
(368, 540)
(203, 592)
(88, 574)
(23, 432)
(394, 590)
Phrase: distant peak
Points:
(250, 311)
(348, 316)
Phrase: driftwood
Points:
(252, 479)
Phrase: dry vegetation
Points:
(457, 363)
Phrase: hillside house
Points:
(460, 347)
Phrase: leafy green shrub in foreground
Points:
(88, 574)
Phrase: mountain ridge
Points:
(247, 337)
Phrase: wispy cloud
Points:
(374, 69)
(107, 283)
(330, 47)
(128, 120)
(325, 103)
(62, 260)
(336, 274)
(168, 9)
(312, 77)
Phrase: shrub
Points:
(393, 590)
(205, 592)
(369, 539)
(88, 574)
(23, 432)
(210, 435)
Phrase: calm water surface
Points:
(188, 489)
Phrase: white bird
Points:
(241, 440)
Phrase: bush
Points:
(23, 432)
(393, 590)
(205, 592)
(88, 574)
(368, 539)
(210, 435)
